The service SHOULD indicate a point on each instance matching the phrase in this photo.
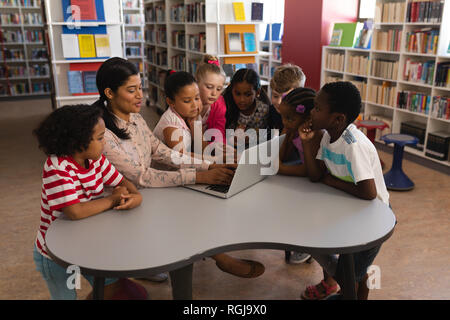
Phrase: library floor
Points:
(414, 262)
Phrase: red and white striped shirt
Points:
(65, 182)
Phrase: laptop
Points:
(251, 169)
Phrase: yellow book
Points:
(239, 12)
(102, 45)
(87, 45)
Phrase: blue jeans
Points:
(56, 277)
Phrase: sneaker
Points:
(156, 278)
(298, 257)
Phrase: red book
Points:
(86, 9)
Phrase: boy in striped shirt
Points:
(74, 177)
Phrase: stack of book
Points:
(425, 11)
(9, 19)
(133, 35)
(197, 42)
(415, 129)
(161, 35)
(39, 70)
(420, 72)
(358, 65)
(386, 69)
(438, 145)
(441, 107)
(414, 101)
(335, 61)
(443, 75)
(384, 94)
(179, 62)
(422, 41)
(12, 54)
(179, 39)
(133, 18)
(387, 40)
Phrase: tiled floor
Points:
(414, 262)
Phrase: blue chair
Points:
(396, 179)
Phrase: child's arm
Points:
(315, 168)
(365, 189)
(286, 148)
(169, 132)
(124, 196)
(194, 128)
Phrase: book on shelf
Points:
(336, 37)
(365, 36)
(81, 78)
(443, 75)
(257, 11)
(386, 69)
(102, 47)
(441, 107)
(422, 41)
(75, 82)
(249, 42)
(419, 72)
(389, 12)
(335, 61)
(70, 45)
(86, 43)
(89, 81)
(414, 101)
(83, 10)
(239, 12)
(415, 129)
(438, 145)
(425, 11)
(234, 42)
(383, 94)
(388, 40)
(350, 33)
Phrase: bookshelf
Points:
(133, 30)
(61, 27)
(179, 33)
(24, 64)
(379, 72)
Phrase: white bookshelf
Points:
(218, 13)
(34, 78)
(393, 113)
(133, 35)
(60, 65)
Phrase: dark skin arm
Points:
(124, 196)
(365, 189)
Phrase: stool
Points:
(396, 179)
(372, 126)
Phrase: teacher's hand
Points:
(219, 175)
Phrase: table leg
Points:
(99, 287)
(181, 280)
(348, 290)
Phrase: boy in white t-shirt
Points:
(346, 160)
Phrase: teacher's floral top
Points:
(133, 157)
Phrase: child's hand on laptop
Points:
(217, 174)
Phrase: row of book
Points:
(85, 45)
(17, 88)
(133, 35)
(387, 40)
(133, 51)
(358, 64)
(177, 13)
(417, 71)
(335, 61)
(158, 36)
(425, 11)
(416, 129)
(18, 37)
(197, 42)
(39, 70)
(422, 41)
(362, 87)
(25, 18)
(178, 62)
(133, 18)
(385, 93)
(443, 75)
(179, 39)
(157, 57)
(12, 54)
(385, 69)
(390, 12)
(156, 13)
(40, 87)
(414, 101)
(441, 107)
(276, 52)
(82, 82)
(264, 69)
(13, 71)
(30, 3)
(195, 12)
(130, 4)
(39, 54)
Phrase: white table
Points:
(174, 227)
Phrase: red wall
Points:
(307, 27)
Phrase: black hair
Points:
(175, 81)
(242, 75)
(68, 130)
(343, 97)
(301, 96)
(112, 74)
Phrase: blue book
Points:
(75, 82)
(89, 79)
(276, 31)
(249, 42)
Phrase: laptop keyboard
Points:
(218, 188)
